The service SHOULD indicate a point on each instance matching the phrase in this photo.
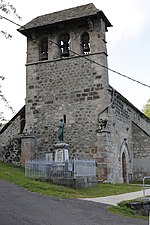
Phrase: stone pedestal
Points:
(61, 152)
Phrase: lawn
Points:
(15, 175)
(123, 210)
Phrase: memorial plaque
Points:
(49, 157)
(59, 156)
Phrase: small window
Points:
(65, 118)
(64, 45)
(22, 122)
(44, 49)
(85, 43)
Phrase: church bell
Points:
(86, 48)
(65, 50)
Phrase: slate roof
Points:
(65, 15)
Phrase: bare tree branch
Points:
(7, 8)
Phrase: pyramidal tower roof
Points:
(65, 15)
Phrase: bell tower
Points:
(67, 78)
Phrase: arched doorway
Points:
(124, 168)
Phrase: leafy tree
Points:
(146, 109)
(5, 8)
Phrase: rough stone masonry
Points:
(67, 78)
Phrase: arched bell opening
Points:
(64, 45)
(43, 48)
(85, 43)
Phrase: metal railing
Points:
(84, 168)
(147, 177)
(66, 169)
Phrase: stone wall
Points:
(12, 130)
(120, 141)
(99, 122)
(141, 168)
(129, 133)
(77, 183)
(10, 140)
(141, 142)
(141, 153)
(126, 111)
(73, 88)
(11, 153)
(96, 33)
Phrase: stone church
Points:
(67, 78)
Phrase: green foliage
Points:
(146, 109)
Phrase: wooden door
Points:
(124, 168)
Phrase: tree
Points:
(5, 8)
(146, 109)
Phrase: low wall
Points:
(141, 168)
(79, 182)
(140, 206)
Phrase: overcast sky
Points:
(128, 45)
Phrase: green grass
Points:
(125, 211)
(15, 175)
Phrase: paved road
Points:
(20, 207)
